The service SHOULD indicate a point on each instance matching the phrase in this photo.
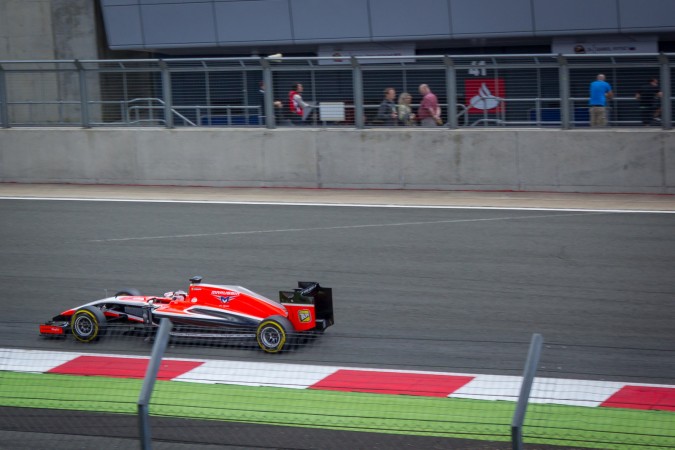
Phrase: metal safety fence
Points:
(537, 90)
(57, 393)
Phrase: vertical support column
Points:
(451, 89)
(207, 85)
(166, 94)
(161, 340)
(666, 93)
(270, 117)
(564, 77)
(528, 378)
(244, 93)
(357, 76)
(4, 109)
(84, 98)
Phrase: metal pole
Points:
(451, 89)
(161, 340)
(357, 77)
(207, 83)
(4, 110)
(244, 82)
(166, 93)
(528, 378)
(270, 119)
(312, 75)
(666, 93)
(84, 98)
(564, 74)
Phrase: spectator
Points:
(649, 96)
(386, 114)
(405, 115)
(429, 114)
(297, 105)
(600, 91)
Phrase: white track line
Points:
(344, 227)
(352, 205)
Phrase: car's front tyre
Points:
(88, 324)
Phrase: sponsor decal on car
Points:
(47, 329)
(225, 296)
(225, 293)
(304, 315)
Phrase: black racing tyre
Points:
(128, 292)
(88, 324)
(274, 334)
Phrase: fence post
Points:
(268, 107)
(357, 77)
(525, 388)
(451, 89)
(161, 340)
(4, 110)
(666, 93)
(166, 93)
(84, 99)
(564, 77)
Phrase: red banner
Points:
(484, 94)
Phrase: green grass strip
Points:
(470, 419)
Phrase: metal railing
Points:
(542, 90)
(141, 107)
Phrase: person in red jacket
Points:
(296, 104)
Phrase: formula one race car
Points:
(205, 311)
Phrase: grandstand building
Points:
(79, 29)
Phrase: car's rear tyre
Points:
(128, 292)
(88, 324)
(274, 334)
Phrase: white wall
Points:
(520, 160)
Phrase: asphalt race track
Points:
(425, 289)
(457, 290)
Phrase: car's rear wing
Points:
(310, 306)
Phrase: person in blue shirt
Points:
(601, 91)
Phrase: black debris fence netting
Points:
(323, 390)
(531, 91)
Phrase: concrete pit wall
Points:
(616, 161)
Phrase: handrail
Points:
(20, 104)
(162, 104)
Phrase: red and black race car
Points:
(205, 311)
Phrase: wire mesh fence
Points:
(209, 382)
(471, 90)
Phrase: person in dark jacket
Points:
(387, 114)
(649, 96)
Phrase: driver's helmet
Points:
(176, 296)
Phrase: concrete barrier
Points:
(608, 160)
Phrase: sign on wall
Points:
(341, 54)
(604, 44)
(484, 94)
